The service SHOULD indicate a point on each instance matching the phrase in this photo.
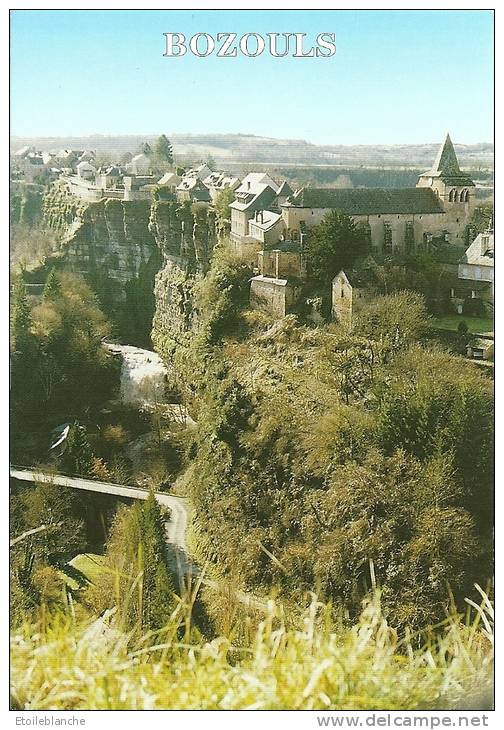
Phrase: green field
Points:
(452, 321)
(83, 569)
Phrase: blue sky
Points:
(397, 76)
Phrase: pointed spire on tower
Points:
(446, 162)
(446, 167)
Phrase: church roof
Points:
(368, 201)
(446, 166)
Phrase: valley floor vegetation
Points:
(318, 449)
(352, 466)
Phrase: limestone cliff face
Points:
(109, 242)
(109, 238)
(186, 237)
(173, 313)
(141, 257)
(183, 232)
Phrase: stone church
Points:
(398, 220)
(401, 219)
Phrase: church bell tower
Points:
(453, 187)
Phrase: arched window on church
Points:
(451, 196)
(456, 196)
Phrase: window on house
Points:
(366, 228)
(387, 238)
(409, 237)
(427, 241)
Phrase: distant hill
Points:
(237, 150)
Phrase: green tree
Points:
(21, 319)
(464, 337)
(157, 587)
(431, 403)
(406, 518)
(146, 149)
(163, 149)
(52, 287)
(335, 244)
(394, 320)
(59, 367)
(222, 293)
(78, 457)
(222, 202)
(481, 219)
(138, 580)
(48, 504)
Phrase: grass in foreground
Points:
(58, 664)
(474, 324)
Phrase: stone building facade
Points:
(349, 292)
(475, 278)
(277, 296)
(396, 220)
(279, 284)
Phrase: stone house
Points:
(278, 286)
(277, 296)
(476, 273)
(138, 187)
(23, 151)
(481, 348)
(267, 227)
(201, 172)
(87, 156)
(139, 165)
(86, 170)
(283, 193)
(32, 165)
(170, 180)
(278, 262)
(249, 199)
(218, 181)
(193, 189)
(350, 290)
(108, 177)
